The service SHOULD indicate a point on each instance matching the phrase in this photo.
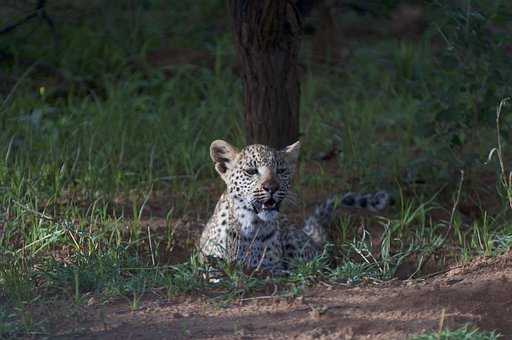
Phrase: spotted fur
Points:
(246, 226)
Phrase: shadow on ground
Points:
(478, 294)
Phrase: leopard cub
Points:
(246, 226)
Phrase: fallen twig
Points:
(38, 12)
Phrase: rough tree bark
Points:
(267, 38)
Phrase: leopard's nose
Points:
(270, 186)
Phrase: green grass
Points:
(92, 154)
(459, 334)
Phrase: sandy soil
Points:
(479, 294)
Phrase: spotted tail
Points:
(373, 202)
(314, 225)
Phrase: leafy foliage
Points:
(109, 132)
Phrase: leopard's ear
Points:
(223, 155)
(292, 152)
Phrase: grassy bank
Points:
(104, 142)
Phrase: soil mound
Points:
(478, 294)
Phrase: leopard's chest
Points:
(257, 246)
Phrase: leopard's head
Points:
(257, 176)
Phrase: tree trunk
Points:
(267, 37)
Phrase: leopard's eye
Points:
(251, 171)
(281, 170)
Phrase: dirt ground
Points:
(479, 294)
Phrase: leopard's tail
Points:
(314, 225)
(373, 202)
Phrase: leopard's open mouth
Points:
(268, 205)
